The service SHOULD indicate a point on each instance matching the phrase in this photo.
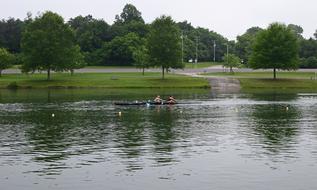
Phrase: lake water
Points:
(209, 141)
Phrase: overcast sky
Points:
(227, 17)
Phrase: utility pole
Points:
(227, 53)
(196, 60)
(182, 37)
(214, 51)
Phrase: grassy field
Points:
(267, 75)
(101, 80)
(291, 81)
(279, 84)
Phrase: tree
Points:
(244, 43)
(10, 34)
(130, 20)
(308, 48)
(90, 33)
(120, 50)
(141, 57)
(231, 61)
(129, 13)
(76, 60)
(298, 30)
(275, 48)
(48, 44)
(5, 60)
(164, 44)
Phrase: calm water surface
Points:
(235, 141)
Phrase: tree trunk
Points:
(0, 72)
(231, 70)
(143, 71)
(49, 74)
(72, 72)
(274, 71)
(163, 70)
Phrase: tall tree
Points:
(130, 20)
(129, 13)
(298, 30)
(6, 60)
(244, 43)
(141, 57)
(164, 44)
(10, 34)
(90, 33)
(48, 44)
(275, 48)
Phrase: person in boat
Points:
(171, 100)
(158, 99)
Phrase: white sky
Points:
(227, 17)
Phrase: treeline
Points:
(121, 43)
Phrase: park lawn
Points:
(286, 80)
(102, 80)
(279, 84)
(266, 74)
(200, 65)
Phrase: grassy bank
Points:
(101, 80)
(266, 75)
(279, 84)
(289, 81)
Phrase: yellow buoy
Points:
(119, 113)
(53, 115)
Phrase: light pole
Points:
(196, 60)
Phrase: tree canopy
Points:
(129, 13)
(231, 61)
(275, 48)
(164, 44)
(48, 44)
(244, 43)
(10, 34)
(6, 59)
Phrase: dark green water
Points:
(240, 141)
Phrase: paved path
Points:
(219, 84)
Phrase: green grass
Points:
(200, 65)
(266, 75)
(302, 85)
(102, 80)
(263, 81)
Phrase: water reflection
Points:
(277, 126)
(223, 137)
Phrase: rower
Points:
(158, 99)
(171, 100)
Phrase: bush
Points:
(310, 62)
(13, 85)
